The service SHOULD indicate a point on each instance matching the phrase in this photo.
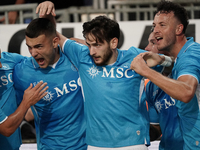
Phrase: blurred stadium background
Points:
(133, 12)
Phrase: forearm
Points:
(79, 40)
(31, 96)
(14, 120)
(62, 39)
(177, 89)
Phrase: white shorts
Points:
(135, 147)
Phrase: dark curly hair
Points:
(103, 28)
(179, 12)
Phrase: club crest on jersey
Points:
(48, 97)
(158, 106)
(5, 66)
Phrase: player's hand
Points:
(138, 64)
(33, 94)
(46, 8)
(152, 59)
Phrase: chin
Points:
(43, 67)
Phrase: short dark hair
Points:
(103, 28)
(40, 26)
(179, 11)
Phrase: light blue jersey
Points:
(162, 110)
(59, 116)
(8, 103)
(113, 98)
(188, 63)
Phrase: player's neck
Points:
(113, 59)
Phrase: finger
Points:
(53, 12)
(43, 11)
(43, 91)
(143, 54)
(30, 86)
(38, 85)
(43, 95)
(50, 9)
(41, 87)
(38, 8)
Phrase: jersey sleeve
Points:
(76, 52)
(3, 117)
(190, 66)
(14, 57)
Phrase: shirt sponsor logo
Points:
(167, 103)
(112, 73)
(5, 79)
(66, 88)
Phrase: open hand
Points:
(33, 94)
(46, 8)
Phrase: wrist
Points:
(167, 62)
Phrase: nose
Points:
(147, 48)
(156, 29)
(33, 52)
(92, 50)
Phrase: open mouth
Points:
(96, 58)
(40, 61)
(158, 39)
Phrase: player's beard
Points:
(106, 57)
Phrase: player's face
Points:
(100, 52)
(165, 25)
(152, 46)
(43, 50)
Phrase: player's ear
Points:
(179, 29)
(55, 42)
(114, 43)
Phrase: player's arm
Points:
(182, 89)
(47, 10)
(31, 96)
(79, 41)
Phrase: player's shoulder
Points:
(27, 61)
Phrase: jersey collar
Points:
(190, 42)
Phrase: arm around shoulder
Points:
(31, 96)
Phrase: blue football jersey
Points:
(162, 110)
(59, 116)
(8, 103)
(113, 98)
(188, 63)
